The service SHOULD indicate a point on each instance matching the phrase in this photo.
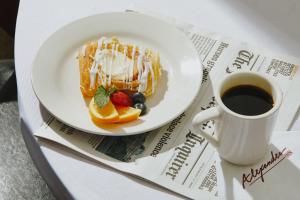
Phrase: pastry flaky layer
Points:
(110, 63)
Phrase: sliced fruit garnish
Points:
(106, 114)
(127, 114)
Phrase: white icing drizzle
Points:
(127, 72)
(100, 42)
(112, 62)
(83, 50)
(125, 61)
(93, 73)
(99, 49)
(104, 66)
(140, 62)
(95, 65)
(132, 65)
(144, 79)
(152, 76)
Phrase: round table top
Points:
(271, 24)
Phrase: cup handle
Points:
(200, 118)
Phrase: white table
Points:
(272, 24)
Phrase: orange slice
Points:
(105, 115)
(127, 114)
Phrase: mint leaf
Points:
(112, 90)
(101, 97)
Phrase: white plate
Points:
(55, 73)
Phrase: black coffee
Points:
(247, 100)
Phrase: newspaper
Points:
(175, 156)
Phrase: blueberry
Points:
(142, 107)
(138, 98)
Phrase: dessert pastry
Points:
(109, 63)
(118, 77)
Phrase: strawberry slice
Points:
(120, 98)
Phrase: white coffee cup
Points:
(240, 139)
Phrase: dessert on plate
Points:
(117, 77)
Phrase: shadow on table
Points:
(280, 182)
(273, 16)
(8, 85)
